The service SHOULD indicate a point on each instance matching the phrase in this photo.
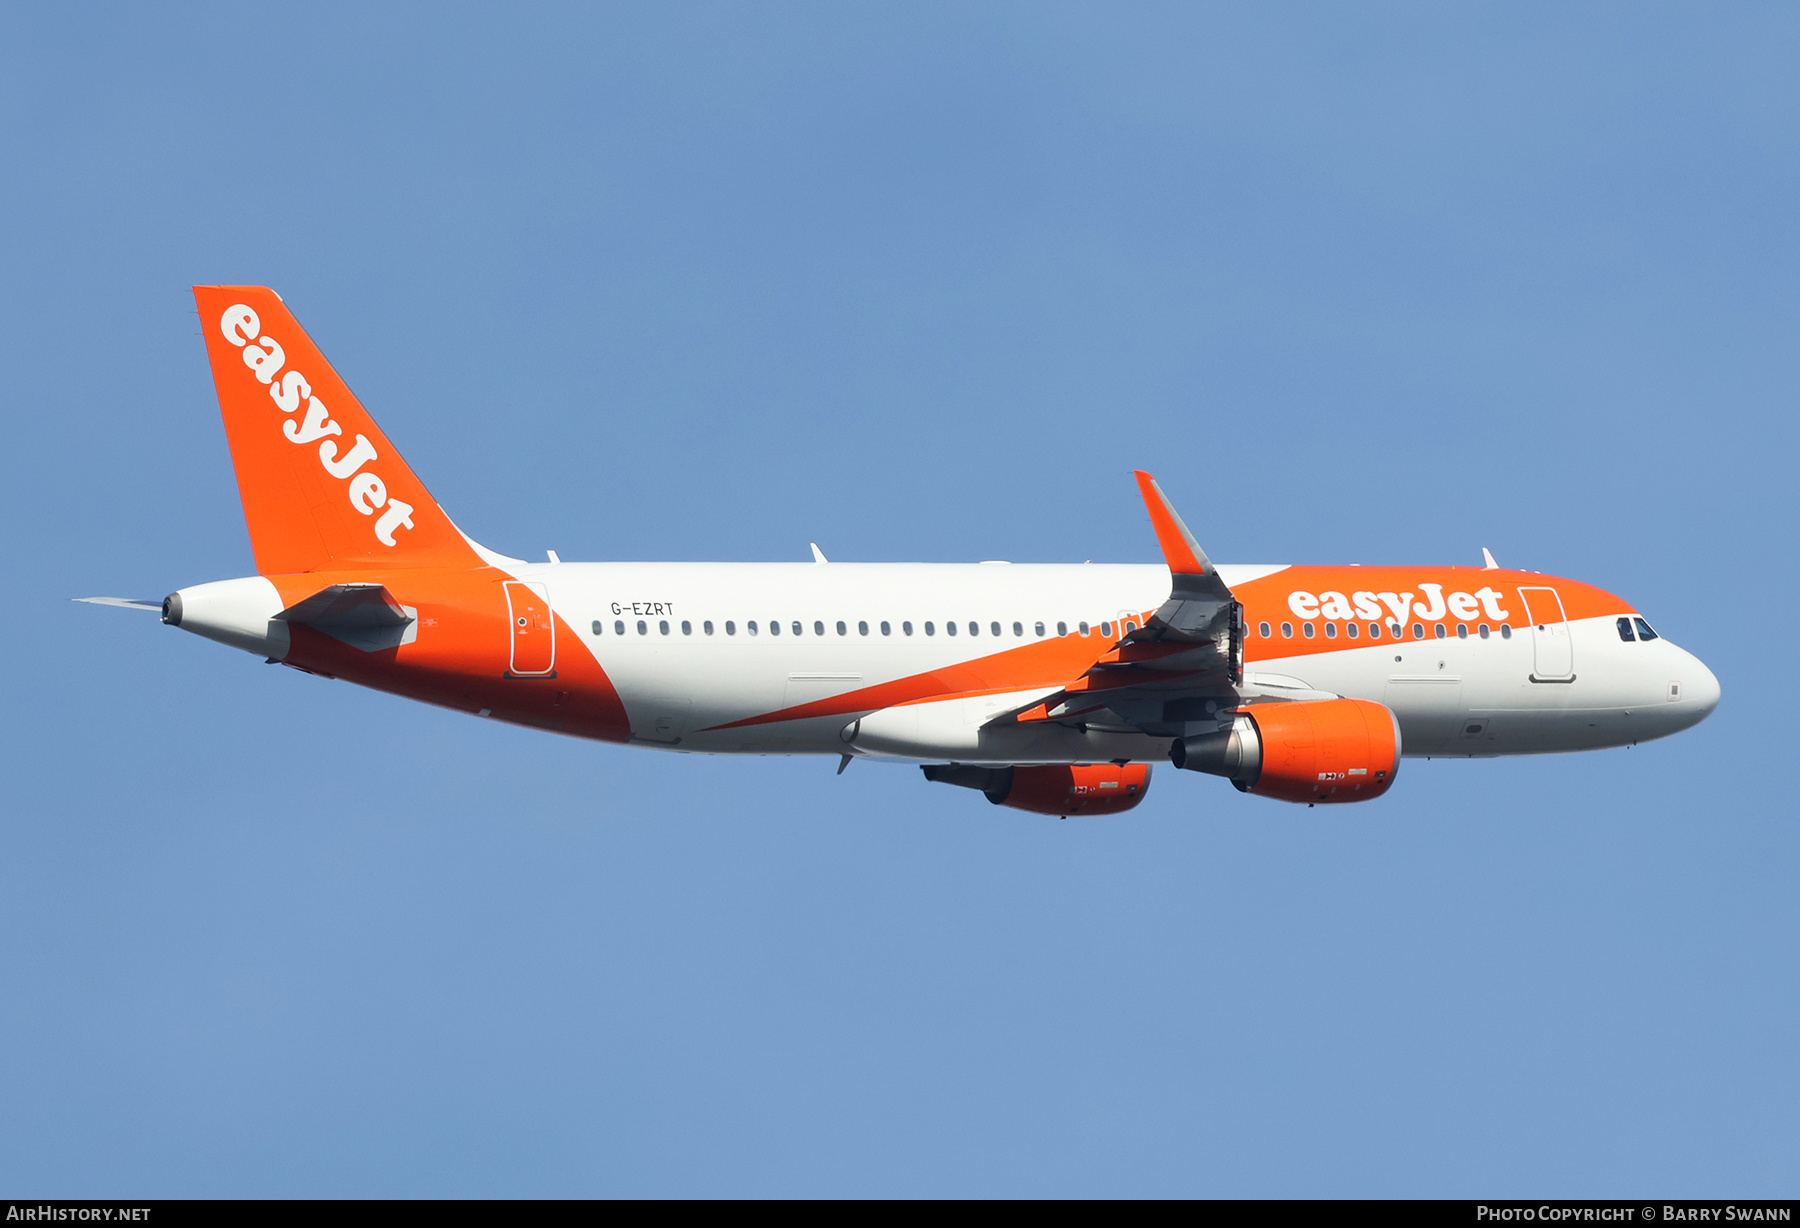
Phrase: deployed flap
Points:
(365, 616)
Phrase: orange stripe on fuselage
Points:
(1267, 600)
(1044, 663)
(462, 653)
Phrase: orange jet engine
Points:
(1059, 789)
(1322, 750)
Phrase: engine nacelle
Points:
(1060, 789)
(1321, 750)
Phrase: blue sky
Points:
(1383, 284)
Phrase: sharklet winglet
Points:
(1183, 553)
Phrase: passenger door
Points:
(533, 630)
(1553, 650)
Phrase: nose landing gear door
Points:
(533, 631)
(1553, 650)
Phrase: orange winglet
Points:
(1178, 546)
(1039, 713)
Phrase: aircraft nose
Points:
(1703, 691)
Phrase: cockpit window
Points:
(1644, 631)
(1625, 631)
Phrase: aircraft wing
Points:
(1185, 663)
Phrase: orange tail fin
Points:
(322, 486)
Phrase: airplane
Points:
(1049, 688)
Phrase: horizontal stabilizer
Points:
(365, 616)
(125, 603)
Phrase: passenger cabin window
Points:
(774, 626)
(643, 628)
(885, 628)
(949, 628)
(707, 626)
(1018, 630)
(818, 628)
(1262, 629)
(1374, 631)
(1062, 628)
(1506, 631)
(1482, 631)
(1462, 631)
(730, 627)
(974, 628)
(1082, 627)
(1287, 631)
(663, 626)
(929, 629)
(906, 628)
(687, 628)
(1331, 631)
(619, 627)
(1644, 632)
(1418, 631)
(1306, 629)
(1438, 630)
(800, 629)
(597, 626)
(1106, 630)
(843, 630)
(1039, 629)
(1351, 630)
(994, 628)
(862, 628)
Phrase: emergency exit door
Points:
(533, 630)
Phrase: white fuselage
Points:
(677, 641)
